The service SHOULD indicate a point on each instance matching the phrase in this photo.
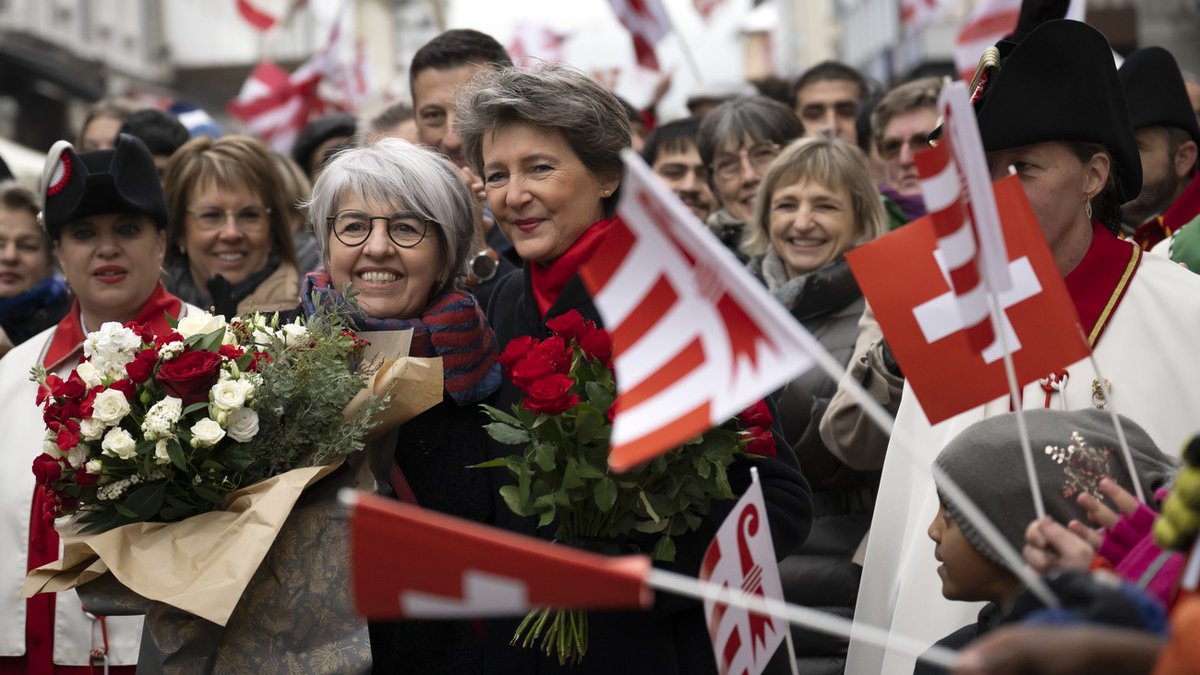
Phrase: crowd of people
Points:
(467, 216)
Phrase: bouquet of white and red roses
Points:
(562, 476)
(161, 428)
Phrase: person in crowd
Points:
(1167, 139)
(737, 142)
(33, 296)
(547, 143)
(320, 139)
(902, 123)
(438, 71)
(396, 121)
(775, 88)
(707, 96)
(103, 122)
(638, 129)
(672, 154)
(1076, 158)
(816, 202)
(1083, 449)
(395, 223)
(162, 134)
(827, 98)
(105, 213)
(297, 190)
(229, 244)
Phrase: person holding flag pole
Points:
(1075, 158)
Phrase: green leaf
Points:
(664, 550)
(590, 472)
(598, 395)
(543, 456)
(202, 405)
(125, 511)
(649, 509)
(547, 517)
(498, 463)
(175, 452)
(146, 500)
(508, 435)
(512, 498)
(571, 478)
(501, 416)
(651, 526)
(701, 467)
(606, 494)
(208, 494)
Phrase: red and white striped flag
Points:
(742, 556)
(532, 43)
(916, 13)
(991, 21)
(409, 562)
(648, 23)
(696, 338)
(264, 15)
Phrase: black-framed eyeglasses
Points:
(889, 148)
(729, 165)
(406, 229)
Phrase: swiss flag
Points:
(647, 23)
(696, 339)
(918, 311)
(741, 556)
(410, 562)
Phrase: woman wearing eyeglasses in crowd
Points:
(738, 141)
(229, 243)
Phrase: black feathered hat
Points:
(1060, 84)
(121, 180)
(1155, 92)
(5, 172)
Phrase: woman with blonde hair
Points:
(229, 243)
(816, 201)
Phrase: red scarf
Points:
(1179, 213)
(1098, 283)
(549, 280)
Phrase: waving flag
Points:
(916, 13)
(991, 21)
(647, 23)
(264, 15)
(409, 562)
(532, 43)
(741, 555)
(696, 338)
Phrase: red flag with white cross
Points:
(409, 562)
(908, 286)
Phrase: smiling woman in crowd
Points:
(32, 296)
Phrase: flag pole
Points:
(683, 46)
(1112, 412)
(807, 617)
(787, 636)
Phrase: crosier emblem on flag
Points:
(647, 23)
(741, 555)
(467, 570)
(696, 339)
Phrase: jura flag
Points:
(741, 556)
(410, 562)
(920, 312)
(696, 339)
(647, 23)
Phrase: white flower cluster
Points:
(263, 333)
(161, 419)
(110, 348)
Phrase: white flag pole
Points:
(684, 48)
(1112, 412)
(807, 617)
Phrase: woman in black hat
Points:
(105, 213)
(1055, 114)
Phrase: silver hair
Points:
(551, 96)
(405, 176)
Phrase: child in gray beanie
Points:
(1073, 451)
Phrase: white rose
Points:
(161, 456)
(230, 394)
(294, 334)
(206, 433)
(88, 373)
(91, 429)
(118, 443)
(262, 337)
(94, 466)
(200, 324)
(77, 455)
(110, 406)
(242, 425)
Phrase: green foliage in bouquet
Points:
(562, 476)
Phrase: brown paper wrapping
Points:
(203, 564)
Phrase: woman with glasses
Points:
(394, 223)
(229, 243)
(816, 202)
(738, 141)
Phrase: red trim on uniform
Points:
(69, 336)
(1181, 212)
(1098, 283)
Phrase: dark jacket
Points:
(671, 638)
(821, 574)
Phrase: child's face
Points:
(966, 574)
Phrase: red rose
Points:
(762, 442)
(127, 387)
(82, 477)
(141, 330)
(190, 375)
(598, 345)
(46, 469)
(160, 340)
(531, 369)
(550, 395)
(555, 350)
(142, 366)
(516, 350)
(230, 352)
(571, 326)
(757, 415)
(256, 359)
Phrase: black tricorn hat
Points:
(1060, 84)
(1155, 92)
(121, 180)
(5, 172)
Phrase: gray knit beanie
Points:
(1072, 451)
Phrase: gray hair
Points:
(831, 162)
(405, 176)
(758, 117)
(551, 96)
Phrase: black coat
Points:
(671, 638)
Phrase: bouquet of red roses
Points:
(562, 476)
